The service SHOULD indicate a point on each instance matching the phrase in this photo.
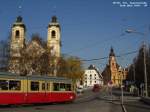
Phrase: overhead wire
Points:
(94, 59)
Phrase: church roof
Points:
(54, 22)
(91, 67)
(35, 48)
(19, 22)
(112, 52)
(54, 19)
(19, 19)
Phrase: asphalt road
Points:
(90, 106)
(136, 106)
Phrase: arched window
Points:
(53, 34)
(17, 33)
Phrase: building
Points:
(92, 76)
(113, 71)
(19, 43)
(4, 55)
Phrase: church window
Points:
(113, 64)
(17, 33)
(53, 34)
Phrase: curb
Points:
(145, 100)
(123, 108)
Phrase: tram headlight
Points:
(71, 97)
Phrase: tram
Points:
(15, 89)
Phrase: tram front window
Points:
(68, 87)
(3, 85)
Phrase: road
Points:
(136, 105)
(132, 103)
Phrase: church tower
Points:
(17, 36)
(53, 37)
(16, 44)
(113, 67)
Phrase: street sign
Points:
(110, 84)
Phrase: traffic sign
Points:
(110, 84)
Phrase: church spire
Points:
(112, 52)
(54, 19)
(19, 19)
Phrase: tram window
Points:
(43, 86)
(34, 86)
(3, 85)
(62, 87)
(68, 87)
(14, 85)
(56, 86)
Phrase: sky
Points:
(88, 27)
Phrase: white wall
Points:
(92, 77)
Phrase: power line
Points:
(125, 54)
(97, 43)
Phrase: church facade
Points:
(113, 71)
(18, 44)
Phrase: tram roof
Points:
(34, 77)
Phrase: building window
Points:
(53, 34)
(17, 34)
(90, 82)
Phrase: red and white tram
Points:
(16, 89)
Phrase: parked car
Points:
(96, 88)
(79, 89)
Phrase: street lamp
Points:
(121, 79)
(144, 49)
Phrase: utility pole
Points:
(145, 71)
(144, 52)
(134, 72)
(121, 74)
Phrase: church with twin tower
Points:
(18, 42)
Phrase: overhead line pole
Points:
(144, 53)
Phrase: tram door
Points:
(36, 91)
(48, 91)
